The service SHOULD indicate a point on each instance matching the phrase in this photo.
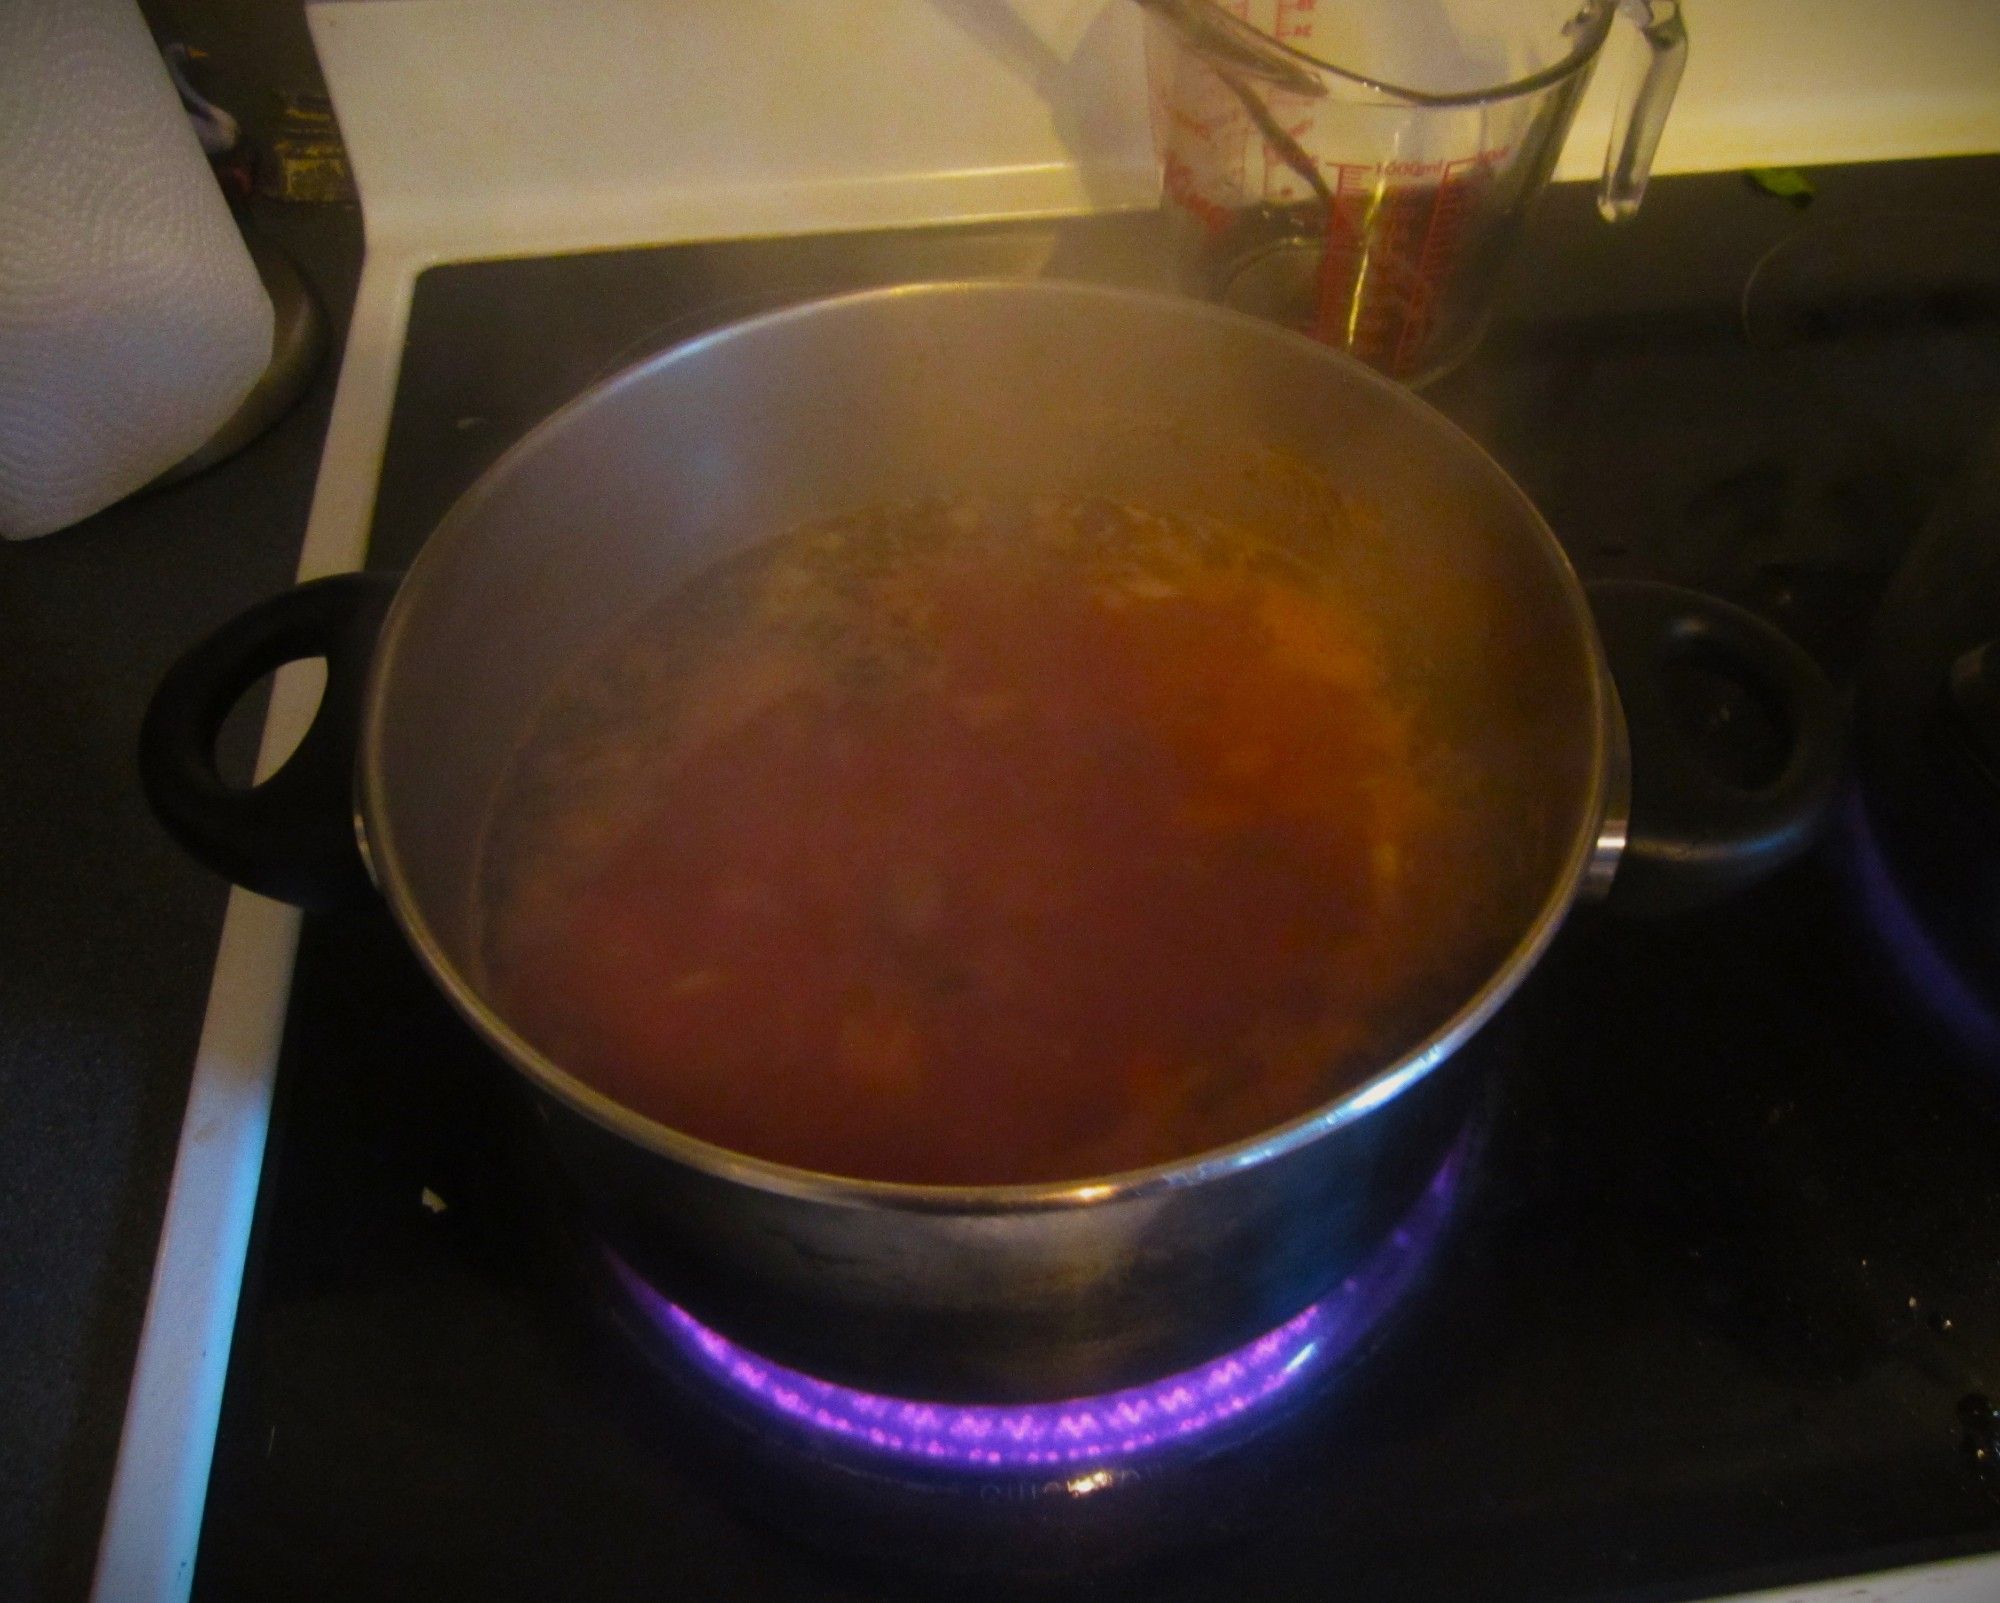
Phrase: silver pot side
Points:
(1002, 387)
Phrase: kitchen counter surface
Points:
(108, 931)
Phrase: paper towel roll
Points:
(132, 321)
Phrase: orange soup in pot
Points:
(972, 842)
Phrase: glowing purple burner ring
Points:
(1095, 1430)
(1109, 1429)
(1922, 963)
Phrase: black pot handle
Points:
(1698, 833)
(291, 837)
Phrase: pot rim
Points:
(1592, 850)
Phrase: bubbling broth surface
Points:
(983, 842)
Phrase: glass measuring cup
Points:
(1370, 192)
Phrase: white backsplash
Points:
(487, 126)
(1797, 82)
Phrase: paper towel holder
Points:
(298, 341)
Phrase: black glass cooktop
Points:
(1718, 1302)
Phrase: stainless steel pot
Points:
(998, 1292)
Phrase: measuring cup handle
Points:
(1643, 102)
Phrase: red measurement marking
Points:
(1438, 169)
(1436, 258)
(1392, 252)
(1294, 21)
(1184, 189)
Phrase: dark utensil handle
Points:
(292, 836)
(1697, 833)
